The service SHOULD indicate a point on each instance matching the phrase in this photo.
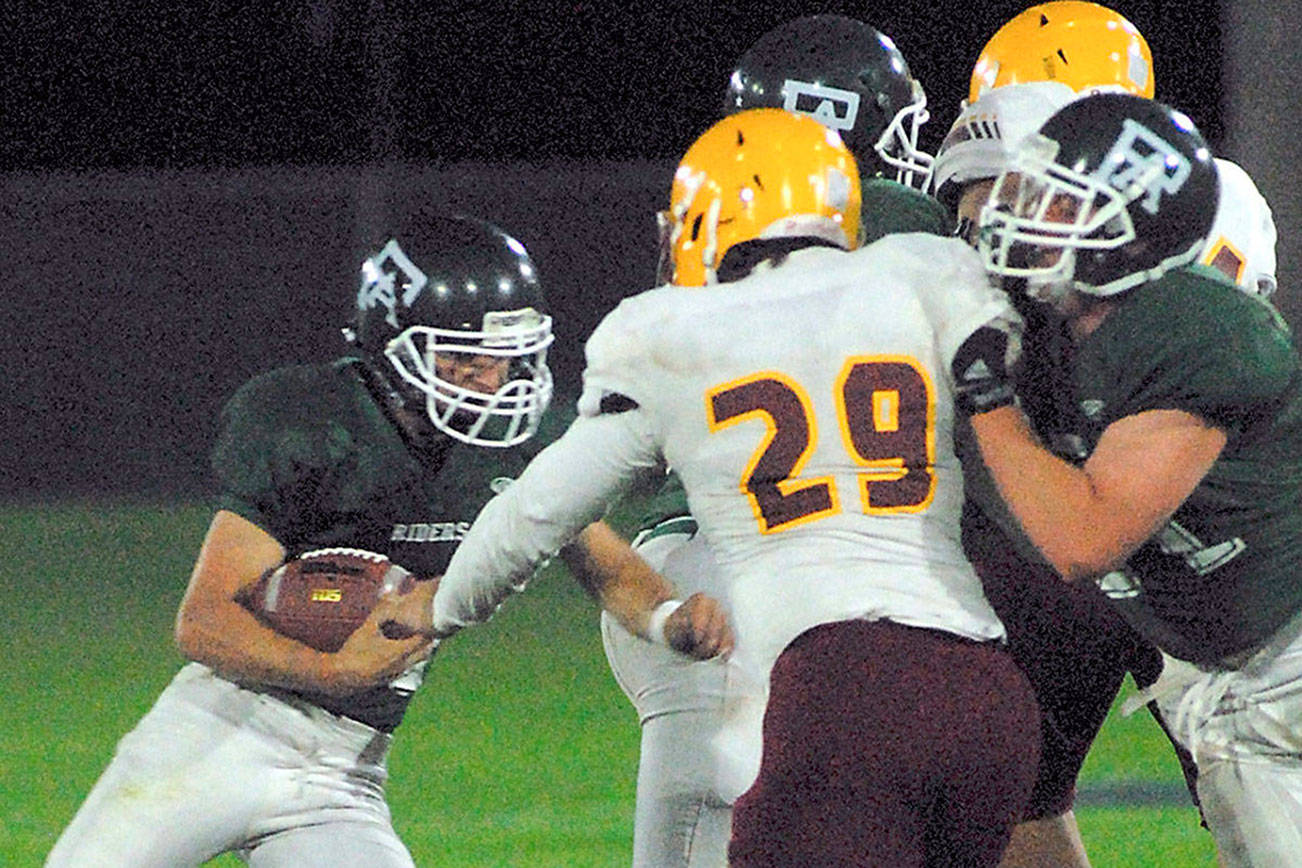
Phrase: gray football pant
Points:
(681, 819)
(215, 768)
(1244, 729)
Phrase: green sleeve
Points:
(1190, 343)
(279, 458)
(890, 207)
(667, 510)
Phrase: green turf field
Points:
(519, 750)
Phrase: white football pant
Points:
(1244, 729)
(216, 768)
(683, 817)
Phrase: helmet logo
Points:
(379, 285)
(1141, 157)
(830, 106)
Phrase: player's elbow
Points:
(190, 631)
(1083, 560)
(184, 634)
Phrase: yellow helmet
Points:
(1084, 45)
(760, 173)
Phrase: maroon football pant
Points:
(887, 745)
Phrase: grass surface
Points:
(518, 751)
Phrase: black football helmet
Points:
(450, 286)
(846, 75)
(1113, 191)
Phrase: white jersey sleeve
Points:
(615, 356)
(954, 290)
(566, 487)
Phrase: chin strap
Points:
(414, 427)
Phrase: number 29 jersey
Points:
(808, 409)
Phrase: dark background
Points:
(184, 185)
(133, 84)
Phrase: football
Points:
(322, 596)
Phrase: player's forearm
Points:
(230, 641)
(497, 558)
(565, 488)
(1055, 502)
(616, 576)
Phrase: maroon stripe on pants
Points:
(889, 745)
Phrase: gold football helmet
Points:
(759, 174)
(1084, 45)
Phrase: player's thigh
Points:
(178, 787)
(1249, 782)
(870, 728)
(654, 678)
(332, 845)
(1254, 811)
(988, 762)
(680, 818)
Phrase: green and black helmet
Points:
(848, 76)
(1113, 191)
(439, 287)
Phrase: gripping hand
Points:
(981, 368)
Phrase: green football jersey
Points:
(1226, 571)
(309, 455)
(666, 511)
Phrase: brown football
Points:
(321, 597)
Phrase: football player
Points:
(261, 745)
(1184, 508)
(1074, 650)
(859, 84)
(812, 434)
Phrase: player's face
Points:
(1062, 208)
(1029, 198)
(479, 372)
(974, 198)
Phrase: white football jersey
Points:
(808, 409)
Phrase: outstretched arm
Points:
(626, 586)
(566, 487)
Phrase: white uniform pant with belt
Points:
(214, 768)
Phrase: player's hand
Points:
(388, 643)
(407, 614)
(981, 369)
(699, 628)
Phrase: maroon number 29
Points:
(886, 414)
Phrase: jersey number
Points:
(886, 412)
